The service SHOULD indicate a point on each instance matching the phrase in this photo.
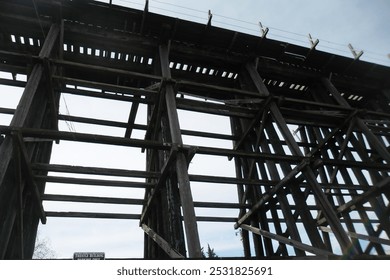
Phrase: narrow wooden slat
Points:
(92, 215)
(19, 200)
(94, 170)
(30, 178)
(93, 182)
(288, 241)
(131, 120)
(92, 199)
(362, 236)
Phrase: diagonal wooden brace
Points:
(26, 165)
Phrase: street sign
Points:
(89, 256)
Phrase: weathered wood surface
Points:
(310, 152)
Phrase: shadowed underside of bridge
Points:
(310, 131)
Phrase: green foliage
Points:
(210, 254)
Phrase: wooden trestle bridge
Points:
(310, 131)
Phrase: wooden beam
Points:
(92, 182)
(162, 243)
(84, 66)
(131, 121)
(220, 205)
(30, 178)
(288, 241)
(92, 215)
(92, 199)
(187, 203)
(85, 137)
(19, 200)
(94, 170)
(362, 236)
(125, 90)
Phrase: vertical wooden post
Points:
(190, 225)
(32, 111)
(19, 195)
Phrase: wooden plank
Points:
(214, 108)
(13, 83)
(231, 180)
(85, 137)
(103, 69)
(92, 215)
(19, 200)
(93, 182)
(288, 241)
(94, 170)
(117, 93)
(132, 201)
(126, 90)
(361, 236)
(219, 205)
(93, 121)
(92, 199)
(230, 92)
(30, 178)
(216, 219)
(162, 243)
(131, 120)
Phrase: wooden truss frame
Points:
(295, 189)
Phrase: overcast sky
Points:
(364, 24)
(336, 23)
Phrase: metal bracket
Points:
(356, 55)
(264, 31)
(313, 43)
(210, 16)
